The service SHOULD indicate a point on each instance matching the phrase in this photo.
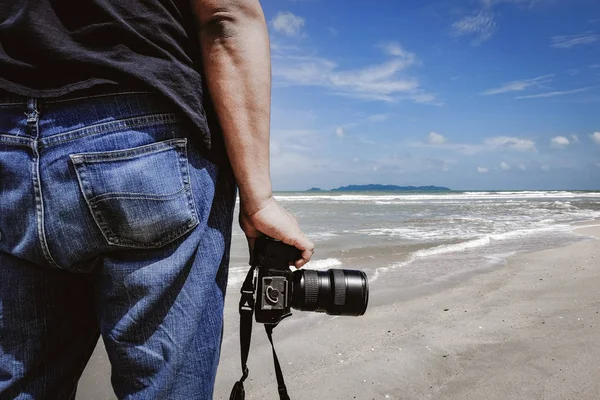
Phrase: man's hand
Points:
(273, 220)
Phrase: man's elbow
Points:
(221, 19)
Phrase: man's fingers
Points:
(306, 256)
(308, 249)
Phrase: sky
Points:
(467, 94)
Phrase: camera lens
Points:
(335, 291)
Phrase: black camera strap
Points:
(246, 309)
(280, 382)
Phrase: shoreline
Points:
(524, 330)
(411, 348)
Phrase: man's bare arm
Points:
(236, 59)
(235, 47)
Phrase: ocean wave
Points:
(467, 246)
(385, 199)
(321, 236)
(324, 264)
(565, 204)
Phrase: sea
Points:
(406, 241)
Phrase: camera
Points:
(278, 289)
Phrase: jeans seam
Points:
(16, 140)
(180, 232)
(185, 173)
(102, 226)
(107, 127)
(147, 149)
(33, 123)
(136, 196)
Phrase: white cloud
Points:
(504, 166)
(516, 86)
(522, 167)
(527, 3)
(568, 41)
(511, 143)
(554, 94)
(596, 137)
(575, 138)
(395, 49)
(489, 144)
(482, 170)
(481, 24)
(384, 82)
(545, 167)
(333, 31)
(559, 142)
(435, 138)
(340, 132)
(288, 23)
(378, 117)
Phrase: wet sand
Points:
(527, 330)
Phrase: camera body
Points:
(274, 280)
(278, 289)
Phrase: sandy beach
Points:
(525, 330)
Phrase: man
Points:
(118, 168)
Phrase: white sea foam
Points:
(435, 197)
(321, 236)
(324, 264)
(467, 246)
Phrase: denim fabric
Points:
(112, 222)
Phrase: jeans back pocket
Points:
(139, 197)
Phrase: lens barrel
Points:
(335, 291)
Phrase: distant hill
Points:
(385, 188)
(314, 190)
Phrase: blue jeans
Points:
(112, 222)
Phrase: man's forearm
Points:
(237, 65)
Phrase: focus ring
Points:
(311, 287)
(339, 287)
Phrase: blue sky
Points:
(473, 94)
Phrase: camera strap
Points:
(246, 309)
(278, 373)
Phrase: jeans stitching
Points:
(136, 196)
(147, 149)
(16, 140)
(185, 173)
(33, 123)
(180, 232)
(100, 223)
(107, 127)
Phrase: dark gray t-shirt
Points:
(49, 48)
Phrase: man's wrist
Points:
(251, 202)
